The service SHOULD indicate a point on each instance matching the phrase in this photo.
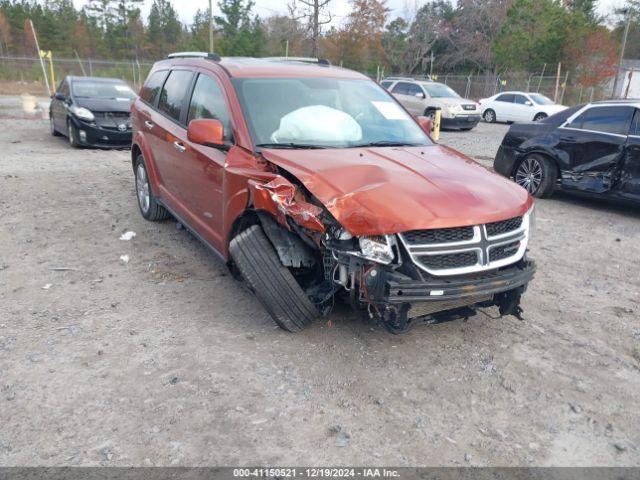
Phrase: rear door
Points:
(503, 106)
(594, 144)
(630, 173)
(171, 134)
(407, 93)
(203, 167)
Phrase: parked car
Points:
(518, 107)
(593, 149)
(423, 97)
(313, 184)
(92, 112)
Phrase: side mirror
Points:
(59, 96)
(206, 131)
(528, 103)
(420, 94)
(426, 124)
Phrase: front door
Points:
(594, 143)
(410, 96)
(59, 108)
(522, 108)
(203, 166)
(630, 173)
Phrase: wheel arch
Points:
(528, 153)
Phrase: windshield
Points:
(541, 99)
(324, 113)
(439, 90)
(102, 90)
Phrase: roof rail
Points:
(319, 61)
(414, 78)
(211, 56)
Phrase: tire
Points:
(540, 116)
(430, 113)
(150, 209)
(72, 134)
(537, 174)
(273, 284)
(52, 127)
(489, 116)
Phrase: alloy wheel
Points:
(529, 175)
(142, 188)
(489, 116)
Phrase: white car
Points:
(518, 107)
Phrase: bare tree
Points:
(317, 17)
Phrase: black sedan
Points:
(593, 149)
(92, 112)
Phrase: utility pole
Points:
(211, 26)
(627, 12)
(44, 72)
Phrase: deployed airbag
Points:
(317, 124)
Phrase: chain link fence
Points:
(29, 70)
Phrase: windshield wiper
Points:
(290, 145)
(385, 143)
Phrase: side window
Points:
(520, 99)
(173, 93)
(401, 88)
(208, 101)
(152, 86)
(414, 89)
(64, 88)
(506, 97)
(605, 119)
(635, 126)
(386, 84)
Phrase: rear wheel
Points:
(273, 284)
(149, 208)
(430, 113)
(489, 116)
(537, 174)
(540, 116)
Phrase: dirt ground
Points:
(166, 360)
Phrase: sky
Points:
(339, 8)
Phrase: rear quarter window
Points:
(152, 86)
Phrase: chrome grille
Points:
(113, 120)
(438, 235)
(504, 226)
(463, 250)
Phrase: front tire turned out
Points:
(537, 174)
(72, 134)
(273, 284)
(150, 209)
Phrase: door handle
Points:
(179, 146)
(148, 124)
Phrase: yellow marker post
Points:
(47, 54)
(436, 125)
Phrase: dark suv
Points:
(314, 184)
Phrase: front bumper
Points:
(461, 121)
(505, 161)
(95, 136)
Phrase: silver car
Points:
(423, 97)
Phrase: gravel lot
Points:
(166, 360)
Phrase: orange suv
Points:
(312, 183)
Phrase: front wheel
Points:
(72, 134)
(540, 116)
(430, 113)
(274, 285)
(489, 116)
(537, 174)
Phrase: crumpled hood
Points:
(373, 191)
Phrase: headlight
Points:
(82, 113)
(377, 248)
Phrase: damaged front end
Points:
(398, 279)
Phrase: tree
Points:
(534, 33)
(394, 42)
(240, 34)
(5, 34)
(428, 33)
(164, 28)
(317, 15)
(593, 58)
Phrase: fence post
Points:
(564, 86)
